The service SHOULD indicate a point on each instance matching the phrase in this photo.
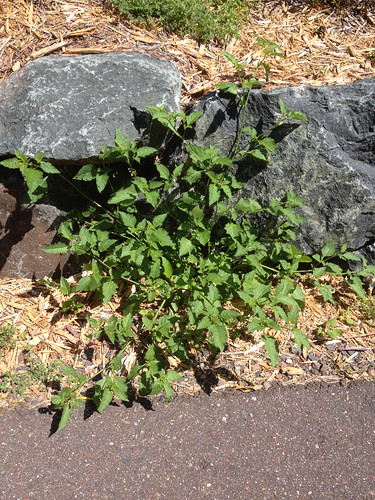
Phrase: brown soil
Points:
(324, 46)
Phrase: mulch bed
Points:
(323, 46)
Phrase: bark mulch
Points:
(323, 46)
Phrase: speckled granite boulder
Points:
(329, 160)
(69, 107)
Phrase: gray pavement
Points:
(314, 442)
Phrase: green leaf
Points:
(135, 369)
(168, 270)
(186, 246)
(272, 348)
(350, 256)
(227, 87)
(57, 248)
(219, 335)
(163, 171)
(121, 140)
(116, 363)
(64, 286)
(87, 283)
(172, 375)
(104, 399)
(120, 388)
(65, 417)
(247, 205)
(213, 194)
(162, 237)
(232, 59)
(69, 371)
(329, 249)
(101, 181)
(86, 173)
(33, 178)
(13, 163)
(282, 107)
(356, 284)
(158, 386)
(108, 290)
(124, 194)
(269, 144)
(48, 168)
(144, 151)
(168, 391)
(301, 339)
(193, 117)
(229, 314)
(298, 115)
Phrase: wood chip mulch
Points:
(45, 333)
(323, 46)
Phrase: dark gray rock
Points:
(330, 160)
(69, 107)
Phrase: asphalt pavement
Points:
(298, 442)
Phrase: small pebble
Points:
(312, 357)
(330, 347)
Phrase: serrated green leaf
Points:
(319, 271)
(186, 246)
(193, 117)
(128, 219)
(329, 249)
(116, 363)
(120, 388)
(228, 87)
(69, 371)
(219, 335)
(65, 416)
(157, 386)
(229, 314)
(213, 194)
(86, 173)
(144, 151)
(104, 399)
(172, 375)
(162, 237)
(64, 286)
(350, 256)
(282, 107)
(121, 140)
(356, 284)
(87, 283)
(163, 171)
(56, 248)
(297, 114)
(168, 269)
(247, 206)
(101, 180)
(272, 348)
(168, 391)
(33, 178)
(48, 168)
(301, 339)
(134, 371)
(269, 144)
(12, 163)
(108, 290)
(124, 194)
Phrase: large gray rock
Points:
(69, 107)
(329, 160)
